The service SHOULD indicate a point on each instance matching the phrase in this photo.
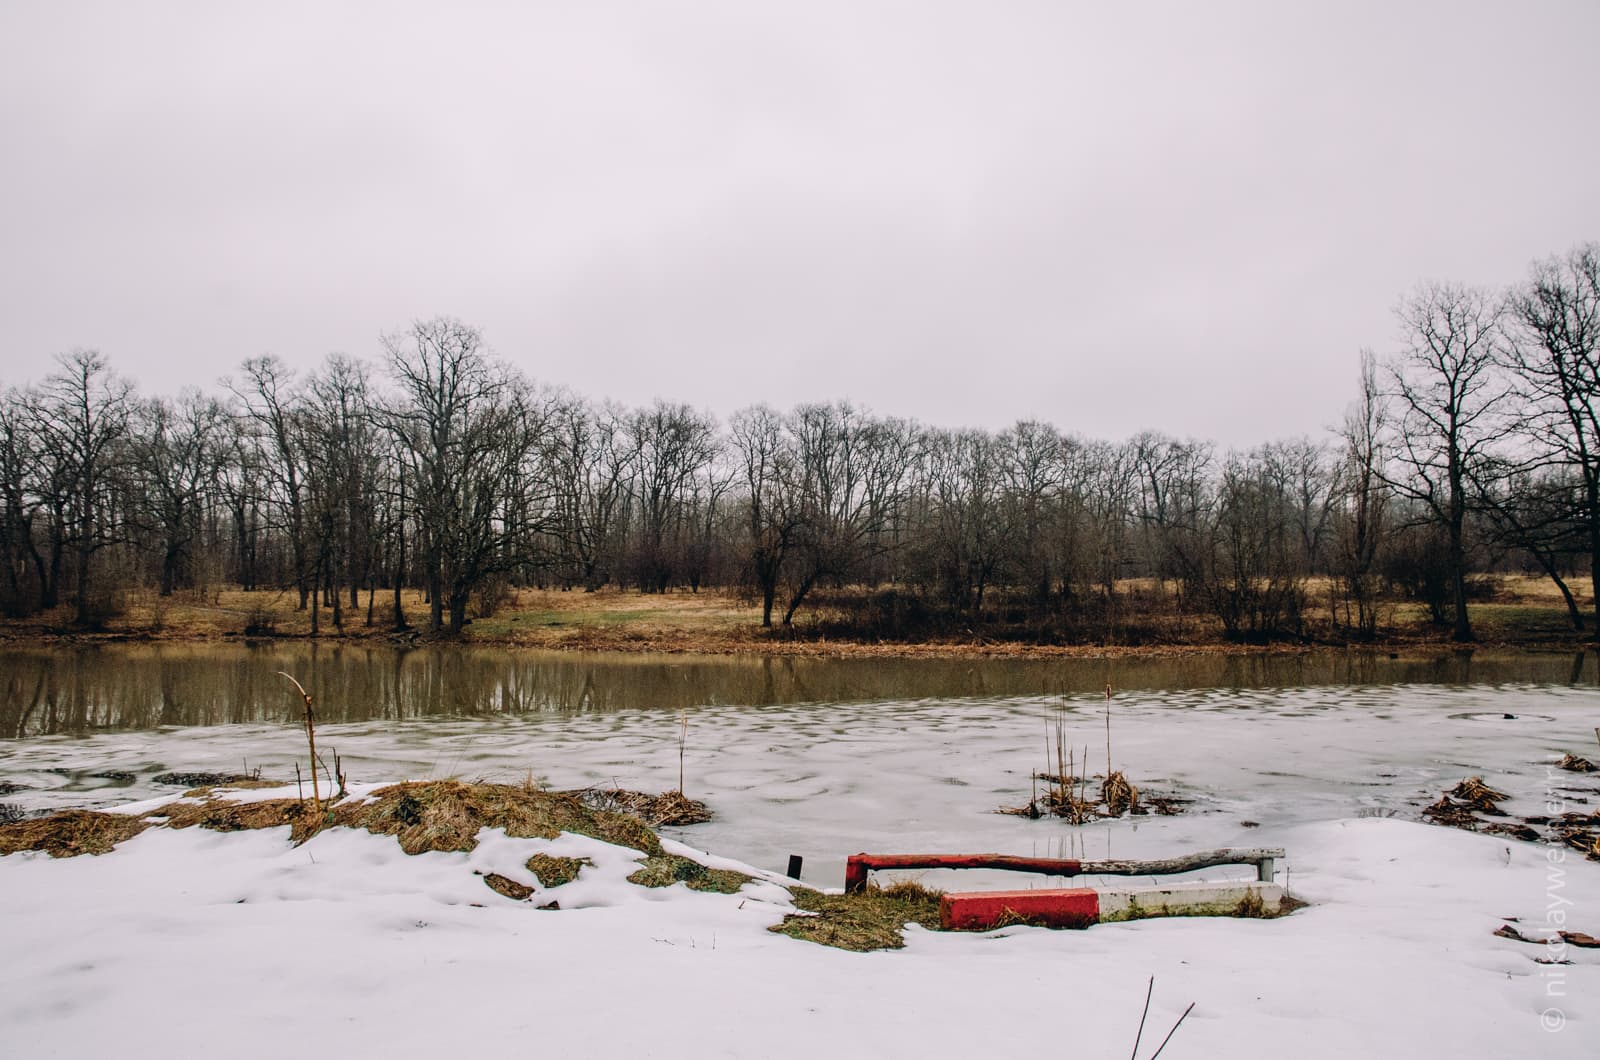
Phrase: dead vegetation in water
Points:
(1574, 764)
(1068, 794)
(69, 833)
(1459, 807)
(1462, 805)
(871, 919)
(1477, 795)
(667, 809)
(213, 780)
(664, 870)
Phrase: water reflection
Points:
(83, 689)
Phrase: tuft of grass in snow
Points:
(872, 919)
(69, 833)
(664, 870)
(554, 871)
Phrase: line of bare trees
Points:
(1475, 447)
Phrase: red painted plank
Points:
(1072, 907)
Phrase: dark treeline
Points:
(1474, 448)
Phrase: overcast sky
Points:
(1187, 217)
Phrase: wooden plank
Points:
(858, 866)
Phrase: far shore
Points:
(1522, 618)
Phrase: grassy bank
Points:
(1143, 619)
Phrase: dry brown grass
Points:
(69, 833)
(871, 919)
(665, 809)
(425, 815)
(220, 815)
(447, 815)
(1524, 611)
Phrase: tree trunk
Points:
(1462, 630)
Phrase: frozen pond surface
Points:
(827, 778)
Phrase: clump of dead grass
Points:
(664, 870)
(1574, 764)
(1474, 793)
(871, 919)
(1459, 807)
(69, 833)
(657, 811)
(448, 814)
(1118, 795)
(554, 871)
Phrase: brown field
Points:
(1518, 611)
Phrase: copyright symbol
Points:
(1552, 1019)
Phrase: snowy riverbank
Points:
(187, 943)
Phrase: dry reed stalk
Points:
(1151, 989)
(1108, 728)
(311, 741)
(683, 739)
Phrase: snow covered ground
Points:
(189, 943)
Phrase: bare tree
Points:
(968, 535)
(1555, 355)
(1252, 573)
(272, 402)
(179, 452)
(469, 425)
(773, 518)
(1360, 521)
(1034, 469)
(670, 445)
(19, 505)
(1446, 393)
(591, 467)
(80, 421)
(850, 473)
